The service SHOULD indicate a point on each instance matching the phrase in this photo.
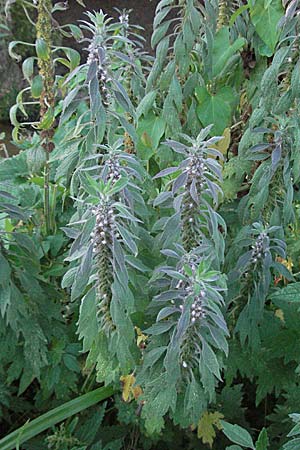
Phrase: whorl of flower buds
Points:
(196, 169)
(190, 349)
(102, 238)
(103, 82)
(197, 310)
(259, 248)
(93, 55)
(190, 207)
(113, 169)
(124, 19)
(97, 55)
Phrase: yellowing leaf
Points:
(128, 382)
(141, 338)
(288, 263)
(279, 314)
(223, 144)
(137, 391)
(206, 426)
(129, 391)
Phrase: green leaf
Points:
(73, 56)
(48, 120)
(265, 19)
(237, 13)
(28, 67)
(262, 441)
(87, 322)
(5, 294)
(287, 294)
(54, 416)
(145, 104)
(215, 108)
(150, 131)
(292, 445)
(210, 360)
(37, 86)
(117, 187)
(223, 50)
(5, 270)
(14, 55)
(234, 447)
(237, 434)
(42, 49)
(83, 274)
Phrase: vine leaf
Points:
(215, 108)
(265, 18)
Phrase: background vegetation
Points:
(149, 231)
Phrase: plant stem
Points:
(47, 98)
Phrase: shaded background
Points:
(142, 12)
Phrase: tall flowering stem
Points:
(46, 68)
(103, 238)
(196, 191)
(250, 280)
(47, 97)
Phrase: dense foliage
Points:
(149, 232)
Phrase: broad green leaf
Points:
(265, 19)
(237, 434)
(223, 50)
(215, 108)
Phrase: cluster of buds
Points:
(190, 205)
(103, 82)
(113, 169)
(97, 55)
(197, 310)
(196, 170)
(124, 19)
(93, 53)
(260, 247)
(105, 228)
(102, 237)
